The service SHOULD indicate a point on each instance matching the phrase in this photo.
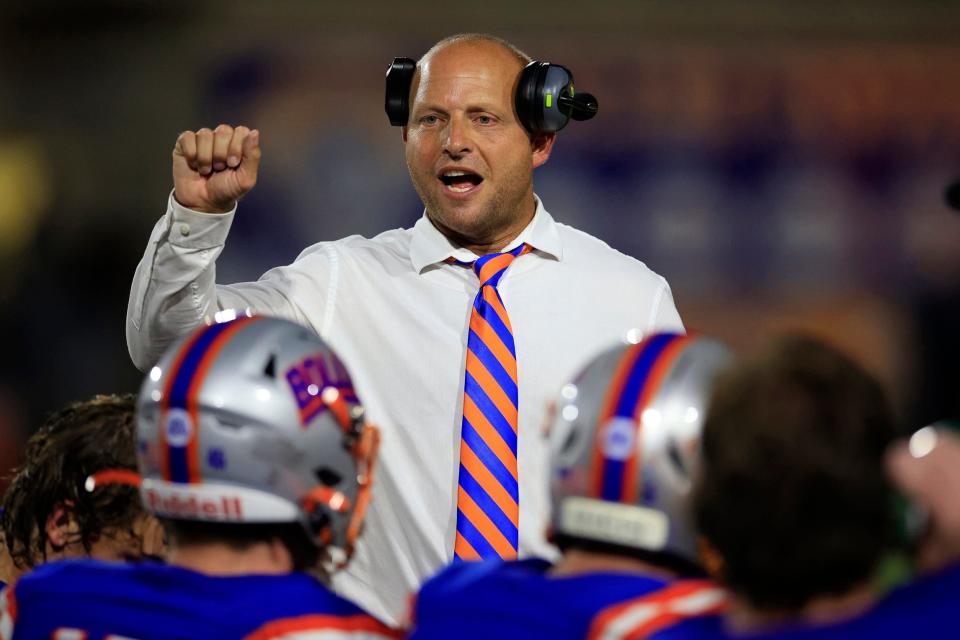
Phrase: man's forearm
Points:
(174, 286)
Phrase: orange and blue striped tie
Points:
(488, 495)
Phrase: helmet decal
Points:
(311, 377)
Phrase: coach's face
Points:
(469, 157)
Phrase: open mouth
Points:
(460, 180)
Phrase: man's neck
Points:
(494, 242)
(217, 559)
(494, 246)
(579, 562)
(741, 617)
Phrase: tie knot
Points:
(490, 267)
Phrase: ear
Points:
(542, 144)
(153, 537)
(61, 527)
(711, 559)
(279, 554)
(403, 133)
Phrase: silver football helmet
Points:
(624, 444)
(256, 420)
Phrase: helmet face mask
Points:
(256, 420)
(624, 443)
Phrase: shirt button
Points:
(185, 230)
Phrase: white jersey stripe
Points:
(687, 606)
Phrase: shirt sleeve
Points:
(664, 315)
(174, 287)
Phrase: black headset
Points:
(545, 99)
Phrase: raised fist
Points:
(212, 169)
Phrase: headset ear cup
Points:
(528, 99)
(399, 78)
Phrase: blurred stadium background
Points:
(782, 164)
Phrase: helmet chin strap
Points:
(321, 496)
(365, 450)
(338, 407)
(366, 445)
(364, 441)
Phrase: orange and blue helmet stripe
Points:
(179, 415)
(638, 377)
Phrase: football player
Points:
(928, 471)
(794, 504)
(49, 515)
(623, 446)
(254, 454)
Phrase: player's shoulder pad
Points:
(465, 576)
(360, 626)
(68, 574)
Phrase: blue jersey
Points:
(91, 600)
(522, 600)
(925, 609)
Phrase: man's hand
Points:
(212, 169)
(928, 470)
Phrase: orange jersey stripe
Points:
(631, 482)
(493, 342)
(489, 435)
(489, 483)
(624, 368)
(482, 523)
(674, 591)
(491, 297)
(672, 615)
(492, 388)
(319, 622)
(12, 603)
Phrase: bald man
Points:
(458, 329)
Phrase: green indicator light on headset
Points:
(549, 100)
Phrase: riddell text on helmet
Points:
(188, 506)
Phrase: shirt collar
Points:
(428, 246)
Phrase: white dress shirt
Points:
(398, 315)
